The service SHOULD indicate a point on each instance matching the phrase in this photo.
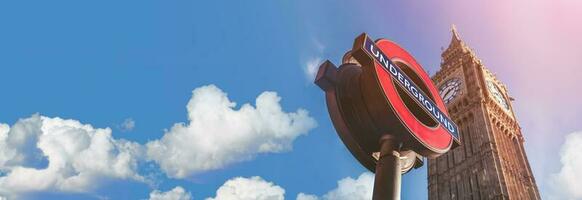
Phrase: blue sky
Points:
(102, 62)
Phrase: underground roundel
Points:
(417, 112)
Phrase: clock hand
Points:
(447, 92)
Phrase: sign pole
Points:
(388, 172)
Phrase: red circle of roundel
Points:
(435, 138)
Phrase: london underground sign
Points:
(437, 138)
(386, 110)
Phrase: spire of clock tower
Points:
(456, 50)
(456, 37)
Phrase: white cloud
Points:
(312, 64)
(178, 193)
(303, 196)
(127, 125)
(567, 183)
(310, 68)
(52, 154)
(78, 156)
(254, 188)
(218, 135)
(348, 189)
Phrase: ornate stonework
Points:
(491, 163)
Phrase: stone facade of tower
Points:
(491, 163)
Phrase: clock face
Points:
(450, 90)
(494, 90)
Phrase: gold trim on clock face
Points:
(450, 89)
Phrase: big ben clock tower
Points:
(491, 163)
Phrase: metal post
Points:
(388, 174)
